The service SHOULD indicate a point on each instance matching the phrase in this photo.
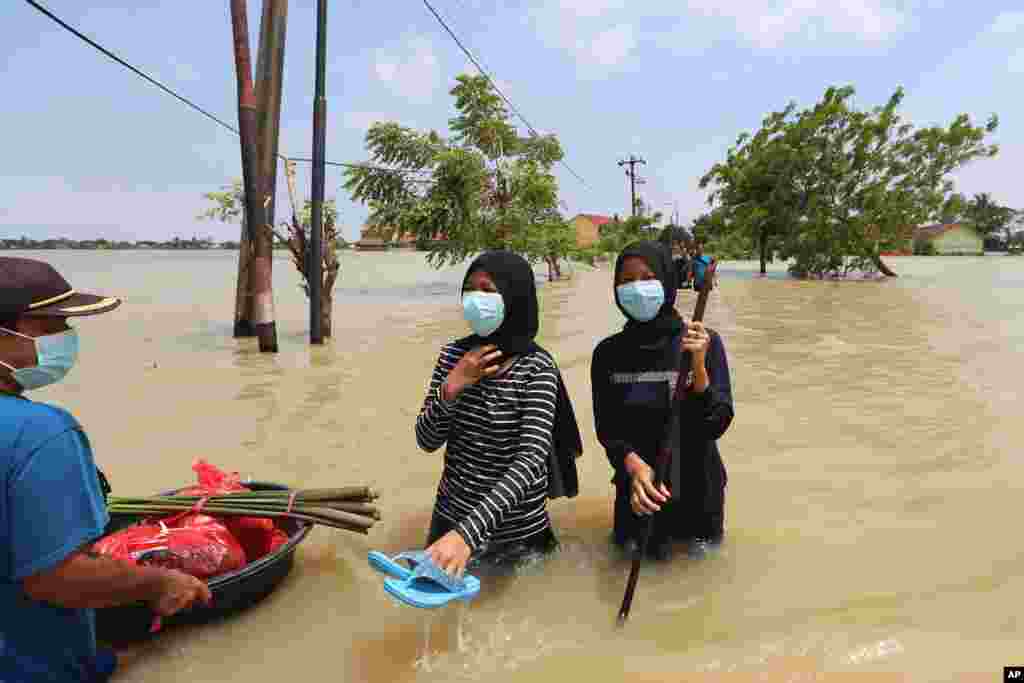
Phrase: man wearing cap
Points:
(51, 503)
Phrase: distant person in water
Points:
(699, 265)
(633, 376)
(681, 265)
(497, 400)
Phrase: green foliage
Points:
(829, 186)
(924, 247)
(986, 216)
(485, 187)
(616, 235)
(228, 204)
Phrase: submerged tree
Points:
(831, 187)
(228, 206)
(484, 187)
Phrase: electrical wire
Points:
(494, 85)
(182, 98)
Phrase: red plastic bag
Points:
(212, 481)
(256, 534)
(198, 545)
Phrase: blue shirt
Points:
(51, 504)
(700, 264)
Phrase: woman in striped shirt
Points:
(495, 399)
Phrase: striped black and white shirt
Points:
(499, 435)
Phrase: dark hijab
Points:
(667, 324)
(515, 281)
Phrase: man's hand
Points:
(474, 366)
(177, 591)
(450, 553)
(645, 498)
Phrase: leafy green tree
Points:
(483, 187)
(229, 206)
(830, 186)
(987, 217)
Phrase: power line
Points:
(128, 66)
(182, 98)
(493, 84)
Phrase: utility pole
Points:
(632, 161)
(247, 126)
(270, 74)
(316, 228)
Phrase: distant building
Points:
(588, 228)
(950, 238)
(373, 239)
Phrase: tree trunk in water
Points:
(764, 252)
(269, 69)
(262, 304)
(326, 308)
(554, 268)
(885, 270)
(243, 307)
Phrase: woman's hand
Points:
(645, 498)
(474, 366)
(450, 553)
(696, 341)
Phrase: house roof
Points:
(935, 230)
(595, 218)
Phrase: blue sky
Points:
(91, 150)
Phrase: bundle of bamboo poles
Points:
(349, 508)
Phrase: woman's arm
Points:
(715, 402)
(530, 465)
(435, 418)
(606, 422)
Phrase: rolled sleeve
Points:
(55, 504)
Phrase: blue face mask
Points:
(642, 299)
(56, 355)
(484, 311)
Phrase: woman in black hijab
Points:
(497, 400)
(633, 375)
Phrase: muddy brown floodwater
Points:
(875, 469)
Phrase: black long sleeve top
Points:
(632, 388)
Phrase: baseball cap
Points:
(34, 288)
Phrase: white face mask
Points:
(642, 299)
(56, 355)
(484, 311)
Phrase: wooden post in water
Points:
(270, 73)
(253, 215)
(243, 299)
(316, 227)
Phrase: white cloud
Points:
(413, 71)
(770, 25)
(719, 76)
(603, 33)
(183, 73)
(590, 8)
(1016, 63)
(362, 120)
(1008, 23)
(606, 48)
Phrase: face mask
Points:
(56, 354)
(484, 311)
(642, 299)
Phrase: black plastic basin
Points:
(232, 592)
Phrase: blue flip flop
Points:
(428, 586)
(389, 565)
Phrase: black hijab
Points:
(667, 323)
(516, 283)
